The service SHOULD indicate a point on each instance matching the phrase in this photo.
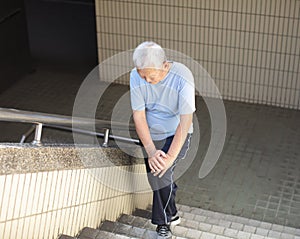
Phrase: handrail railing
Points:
(64, 122)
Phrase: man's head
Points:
(151, 62)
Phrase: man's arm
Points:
(178, 141)
(155, 157)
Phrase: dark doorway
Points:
(59, 35)
(15, 58)
(62, 33)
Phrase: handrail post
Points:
(106, 138)
(38, 134)
(29, 132)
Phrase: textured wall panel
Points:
(250, 47)
(46, 204)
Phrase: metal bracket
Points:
(38, 134)
(106, 138)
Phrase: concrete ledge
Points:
(27, 158)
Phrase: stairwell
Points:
(195, 223)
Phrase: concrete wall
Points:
(250, 48)
(37, 202)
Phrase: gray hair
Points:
(149, 55)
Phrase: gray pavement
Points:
(257, 175)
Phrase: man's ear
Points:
(165, 65)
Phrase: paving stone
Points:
(150, 235)
(126, 219)
(242, 220)
(150, 226)
(197, 211)
(286, 236)
(184, 221)
(266, 225)
(180, 231)
(88, 232)
(109, 235)
(224, 223)
(139, 222)
(207, 235)
(222, 237)
(193, 234)
(237, 226)
(137, 232)
(214, 221)
(230, 218)
(192, 224)
(219, 215)
(217, 230)
(208, 213)
(254, 223)
(184, 208)
(254, 236)
(243, 235)
(123, 237)
(108, 226)
(200, 218)
(122, 229)
(274, 234)
(231, 232)
(289, 230)
(142, 213)
(262, 231)
(250, 229)
(205, 227)
(188, 216)
(277, 227)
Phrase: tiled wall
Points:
(46, 204)
(251, 48)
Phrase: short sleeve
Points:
(187, 97)
(136, 95)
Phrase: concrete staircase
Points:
(195, 224)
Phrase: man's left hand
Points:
(169, 162)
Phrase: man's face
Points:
(152, 75)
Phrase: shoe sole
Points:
(164, 237)
(176, 222)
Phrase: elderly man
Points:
(163, 101)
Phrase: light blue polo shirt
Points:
(165, 101)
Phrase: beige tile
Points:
(6, 204)
(7, 229)
(2, 193)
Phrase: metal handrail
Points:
(76, 124)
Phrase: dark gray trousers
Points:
(164, 189)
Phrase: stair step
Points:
(138, 227)
(90, 233)
(179, 231)
(62, 236)
(125, 229)
(195, 223)
(196, 219)
(142, 213)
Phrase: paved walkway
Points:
(257, 175)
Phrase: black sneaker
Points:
(163, 231)
(175, 220)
